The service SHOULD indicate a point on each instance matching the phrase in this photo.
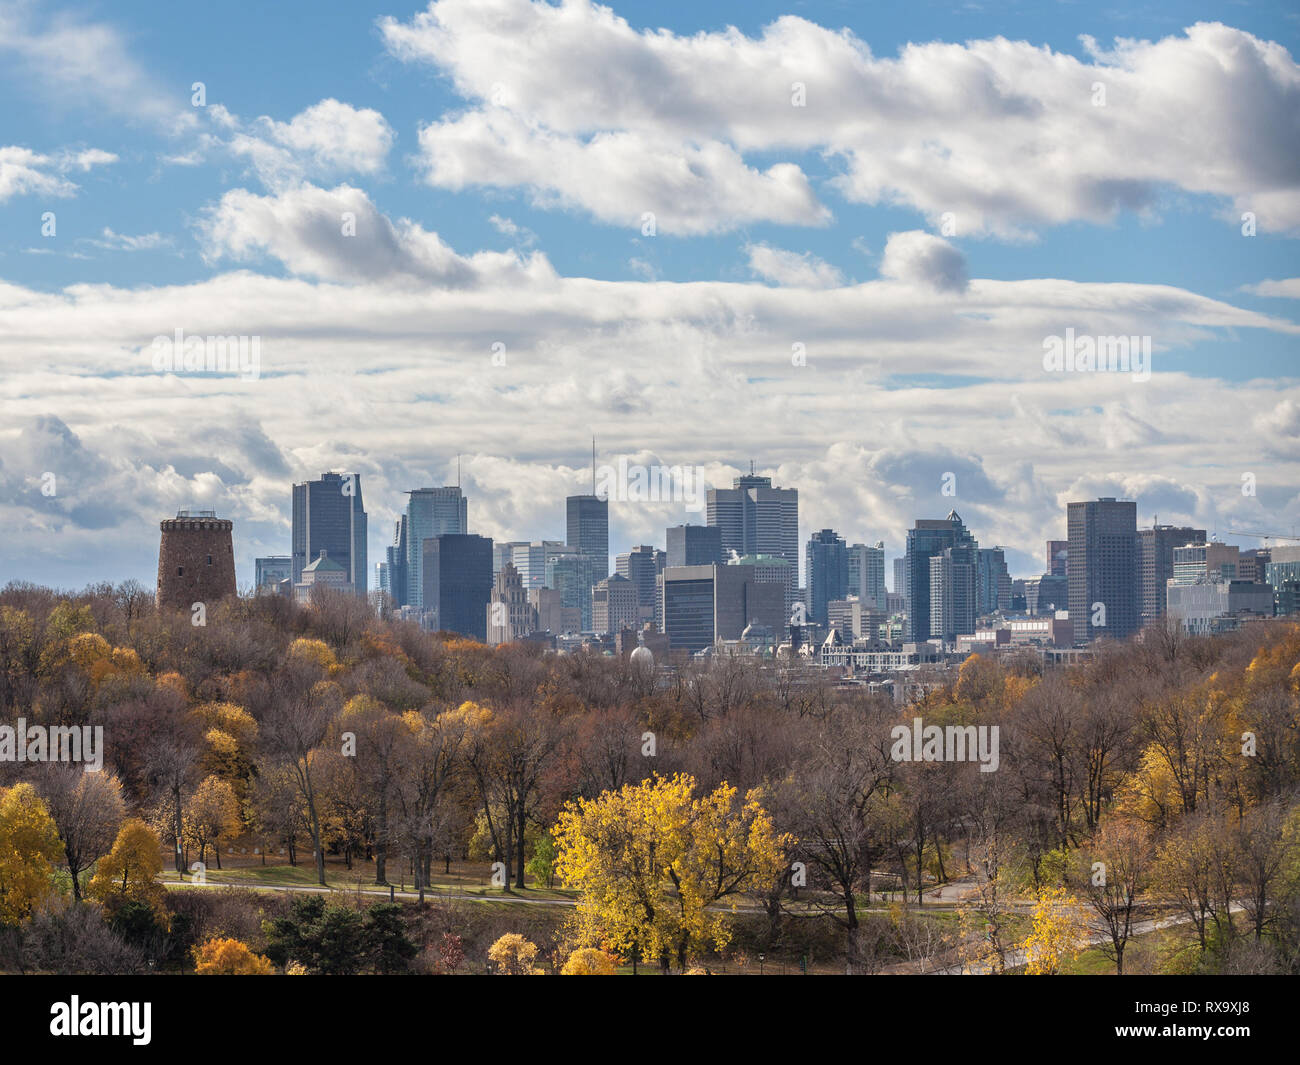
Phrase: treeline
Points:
(1161, 777)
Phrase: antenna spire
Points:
(457, 469)
(593, 464)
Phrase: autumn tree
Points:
(1111, 873)
(212, 816)
(229, 957)
(513, 955)
(589, 961)
(87, 809)
(1058, 933)
(29, 844)
(127, 872)
(653, 860)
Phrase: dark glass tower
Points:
(328, 515)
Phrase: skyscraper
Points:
(613, 604)
(694, 545)
(397, 566)
(329, 516)
(642, 566)
(456, 569)
(954, 591)
(1156, 565)
(570, 575)
(867, 574)
(268, 572)
(1102, 568)
(703, 604)
(930, 537)
(993, 580)
(510, 616)
(431, 512)
(1057, 553)
(756, 519)
(828, 572)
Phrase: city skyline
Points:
(437, 269)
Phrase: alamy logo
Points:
(102, 1018)
(946, 743)
(213, 354)
(58, 743)
(630, 483)
(1089, 354)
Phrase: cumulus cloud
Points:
(792, 268)
(1005, 135)
(339, 235)
(1288, 288)
(924, 259)
(327, 138)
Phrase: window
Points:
(209, 560)
(180, 571)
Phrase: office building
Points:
(552, 615)
(329, 516)
(510, 616)
(828, 572)
(1046, 595)
(456, 569)
(754, 518)
(1156, 565)
(705, 604)
(587, 531)
(614, 605)
(268, 572)
(1217, 604)
(1102, 568)
(993, 582)
(431, 512)
(931, 537)
(1197, 562)
(323, 573)
(642, 566)
(1058, 553)
(571, 575)
(694, 545)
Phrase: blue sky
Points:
(828, 233)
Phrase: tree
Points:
(1058, 933)
(229, 957)
(129, 869)
(588, 961)
(1113, 873)
(652, 860)
(388, 948)
(213, 816)
(29, 843)
(87, 809)
(513, 955)
(330, 940)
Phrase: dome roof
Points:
(642, 657)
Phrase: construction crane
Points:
(1262, 536)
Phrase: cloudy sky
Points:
(821, 237)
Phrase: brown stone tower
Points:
(196, 560)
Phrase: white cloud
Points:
(326, 139)
(1003, 134)
(26, 172)
(792, 268)
(922, 258)
(125, 242)
(307, 229)
(1288, 288)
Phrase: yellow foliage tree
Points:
(1058, 935)
(588, 961)
(652, 860)
(29, 844)
(513, 955)
(211, 817)
(317, 651)
(127, 872)
(229, 957)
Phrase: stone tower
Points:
(196, 560)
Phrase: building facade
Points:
(1102, 568)
(329, 515)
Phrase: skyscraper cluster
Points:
(735, 579)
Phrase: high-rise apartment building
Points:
(329, 516)
(954, 591)
(1103, 568)
(431, 512)
(1156, 565)
(867, 574)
